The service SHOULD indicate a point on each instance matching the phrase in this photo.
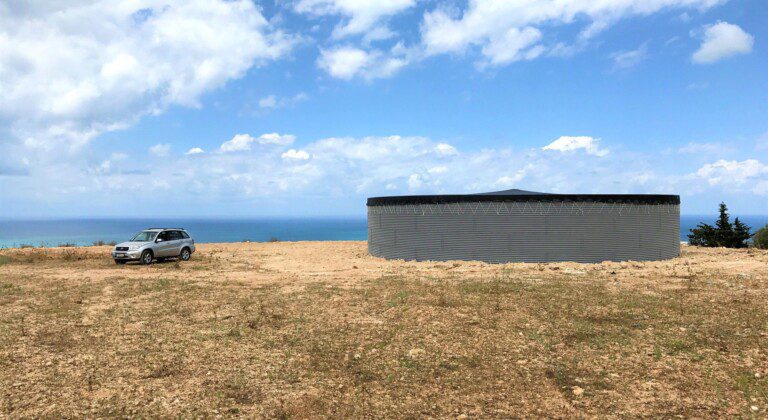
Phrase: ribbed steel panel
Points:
(525, 232)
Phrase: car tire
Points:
(146, 257)
(119, 262)
(185, 254)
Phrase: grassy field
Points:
(297, 330)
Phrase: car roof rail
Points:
(166, 228)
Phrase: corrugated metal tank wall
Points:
(525, 232)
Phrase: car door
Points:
(176, 242)
(164, 245)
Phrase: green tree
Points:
(741, 234)
(761, 238)
(723, 233)
(702, 235)
(724, 228)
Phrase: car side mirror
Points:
(159, 240)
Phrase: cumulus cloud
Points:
(70, 71)
(508, 31)
(722, 40)
(238, 143)
(340, 172)
(243, 142)
(349, 62)
(733, 172)
(446, 149)
(160, 150)
(360, 16)
(194, 151)
(295, 155)
(572, 143)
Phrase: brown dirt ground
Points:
(322, 329)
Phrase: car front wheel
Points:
(146, 257)
(185, 254)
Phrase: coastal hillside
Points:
(322, 329)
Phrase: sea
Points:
(83, 232)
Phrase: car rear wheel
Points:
(146, 257)
(185, 254)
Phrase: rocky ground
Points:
(321, 329)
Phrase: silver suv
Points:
(155, 243)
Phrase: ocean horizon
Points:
(84, 232)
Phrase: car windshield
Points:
(145, 236)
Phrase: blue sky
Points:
(305, 108)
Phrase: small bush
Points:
(67, 245)
(761, 238)
(274, 239)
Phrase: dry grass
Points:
(323, 330)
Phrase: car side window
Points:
(184, 235)
(174, 235)
(163, 236)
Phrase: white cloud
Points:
(160, 150)
(363, 16)
(295, 155)
(572, 143)
(722, 40)
(341, 172)
(275, 102)
(733, 172)
(446, 149)
(627, 59)
(194, 151)
(243, 142)
(70, 71)
(415, 182)
(507, 31)
(513, 45)
(238, 143)
(277, 139)
(349, 62)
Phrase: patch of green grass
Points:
(400, 298)
(752, 387)
(7, 289)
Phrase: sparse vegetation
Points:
(310, 337)
(274, 239)
(67, 245)
(760, 239)
(101, 242)
(723, 234)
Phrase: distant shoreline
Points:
(84, 232)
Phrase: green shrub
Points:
(761, 238)
(724, 233)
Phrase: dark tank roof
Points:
(516, 195)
